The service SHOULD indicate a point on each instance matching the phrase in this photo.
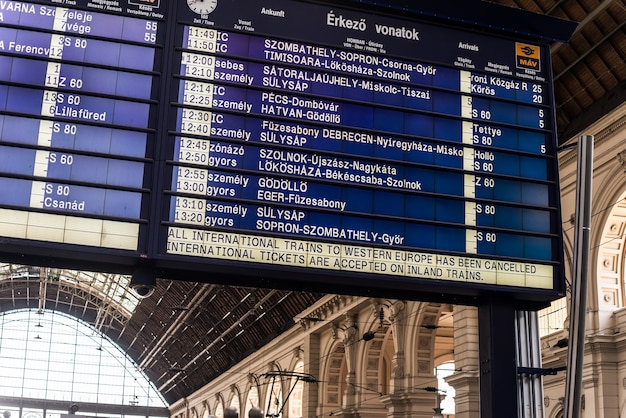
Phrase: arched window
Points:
(274, 398)
(50, 355)
(295, 399)
(252, 401)
(219, 409)
(206, 412)
(234, 402)
(445, 390)
(552, 319)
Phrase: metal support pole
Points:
(580, 271)
(498, 369)
(530, 396)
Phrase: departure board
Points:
(292, 135)
(77, 123)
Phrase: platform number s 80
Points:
(64, 128)
(486, 209)
(57, 189)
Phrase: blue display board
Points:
(295, 137)
(78, 88)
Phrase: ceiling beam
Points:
(170, 333)
(589, 18)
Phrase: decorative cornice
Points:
(605, 132)
(325, 310)
(180, 406)
(346, 330)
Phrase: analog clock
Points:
(202, 7)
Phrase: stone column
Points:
(465, 380)
(397, 317)
(311, 395)
(350, 338)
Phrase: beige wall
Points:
(354, 377)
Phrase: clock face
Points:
(202, 7)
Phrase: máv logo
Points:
(527, 57)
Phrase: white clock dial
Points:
(202, 7)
